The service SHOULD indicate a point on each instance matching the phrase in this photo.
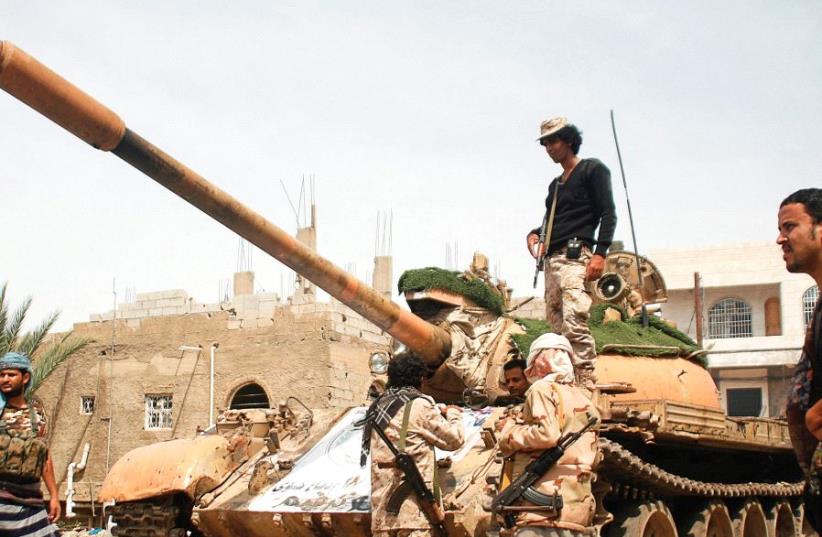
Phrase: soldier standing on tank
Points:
(800, 236)
(415, 424)
(553, 407)
(22, 509)
(582, 201)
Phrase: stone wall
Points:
(316, 352)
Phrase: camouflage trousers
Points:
(568, 305)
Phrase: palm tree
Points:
(44, 360)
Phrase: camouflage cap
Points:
(551, 126)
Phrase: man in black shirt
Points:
(800, 236)
(584, 201)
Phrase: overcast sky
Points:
(426, 109)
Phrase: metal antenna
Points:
(293, 209)
(630, 219)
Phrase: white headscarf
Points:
(562, 369)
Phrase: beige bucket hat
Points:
(551, 126)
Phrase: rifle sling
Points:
(550, 226)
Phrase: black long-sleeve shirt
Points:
(585, 201)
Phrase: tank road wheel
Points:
(643, 519)
(709, 520)
(780, 520)
(749, 520)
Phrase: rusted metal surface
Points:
(430, 342)
(50, 94)
(37, 86)
(184, 466)
(663, 379)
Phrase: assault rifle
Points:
(414, 482)
(521, 486)
(542, 248)
(545, 234)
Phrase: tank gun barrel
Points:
(48, 93)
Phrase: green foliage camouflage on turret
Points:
(475, 290)
(622, 337)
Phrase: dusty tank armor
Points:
(673, 463)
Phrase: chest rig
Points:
(22, 452)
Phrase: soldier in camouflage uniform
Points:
(426, 426)
(580, 200)
(800, 236)
(24, 456)
(553, 407)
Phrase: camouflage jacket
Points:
(426, 428)
(550, 411)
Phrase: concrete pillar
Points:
(243, 283)
(383, 278)
(304, 290)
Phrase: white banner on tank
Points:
(329, 479)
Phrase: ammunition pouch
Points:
(22, 456)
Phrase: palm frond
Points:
(3, 308)
(32, 340)
(53, 356)
(4, 313)
(15, 325)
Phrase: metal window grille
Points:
(158, 412)
(87, 404)
(250, 396)
(809, 299)
(729, 318)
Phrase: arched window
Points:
(249, 396)
(729, 318)
(809, 299)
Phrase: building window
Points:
(809, 299)
(87, 404)
(158, 411)
(744, 401)
(729, 318)
(249, 396)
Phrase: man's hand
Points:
(595, 267)
(54, 509)
(813, 420)
(444, 409)
(532, 241)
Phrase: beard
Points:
(16, 391)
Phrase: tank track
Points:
(633, 477)
(147, 519)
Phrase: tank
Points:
(672, 463)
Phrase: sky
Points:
(427, 110)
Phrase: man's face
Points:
(13, 382)
(557, 149)
(800, 239)
(515, 381)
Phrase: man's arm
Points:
(444, 428)
(543, 433)
(603, 198)
(54, 494)
(813, 420)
